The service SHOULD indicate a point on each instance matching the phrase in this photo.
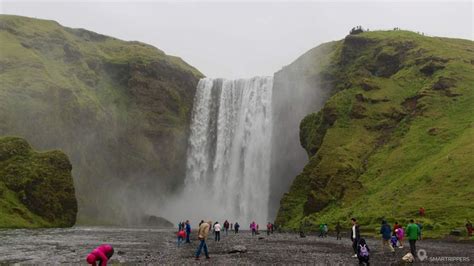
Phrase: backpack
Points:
(364, 252)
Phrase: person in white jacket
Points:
(217, 231)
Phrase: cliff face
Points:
(298, 89)
(395, 135)
(120, 110)
(36, 189)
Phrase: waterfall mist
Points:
(229, 151)
(298, 90)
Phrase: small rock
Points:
(238, 249)
(121, 252)
(261, 237)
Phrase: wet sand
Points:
(155, 246)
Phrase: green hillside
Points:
(397, 134)
(36, 189)
(120, 111)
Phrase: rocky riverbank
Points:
(156, 246)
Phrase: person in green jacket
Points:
(321, 230)
(412, 234)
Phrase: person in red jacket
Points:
(102, 253)
(181, 236)
(395, 227)
(269, 228)
(422, 211)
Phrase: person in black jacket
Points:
(355, 236)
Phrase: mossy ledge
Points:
(395, 135)
(36, 188)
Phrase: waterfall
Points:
(228, 161)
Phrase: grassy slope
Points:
(392, 138)
(120, 110)
(36, 189)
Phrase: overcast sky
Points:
(245, 39)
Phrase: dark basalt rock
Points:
(155, 221)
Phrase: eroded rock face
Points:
(119, 110)
(37, 188)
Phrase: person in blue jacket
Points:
(386, 232)
(188, 231)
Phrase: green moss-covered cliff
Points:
(397, 134)
(36, 189)
(120, 111)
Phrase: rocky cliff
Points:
(120, 110)
(395, 135)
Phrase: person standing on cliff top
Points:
(203, 232)
(355, 236)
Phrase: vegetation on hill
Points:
(120, 111)
(36, 189)
(396, 135)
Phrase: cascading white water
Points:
(228, 162)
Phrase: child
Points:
(393, 240)
(400, 234)
(181, 236)
(363, 252)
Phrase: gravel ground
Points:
(155, 246)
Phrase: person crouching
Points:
(102, 254)
(363, 252)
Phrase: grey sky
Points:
(244, 39)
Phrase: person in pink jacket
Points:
(400, 234)
(253, 227)
(102, 253)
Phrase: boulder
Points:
(155, 221)
(238, 249)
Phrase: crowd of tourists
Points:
(204, 228)
(392, 237)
